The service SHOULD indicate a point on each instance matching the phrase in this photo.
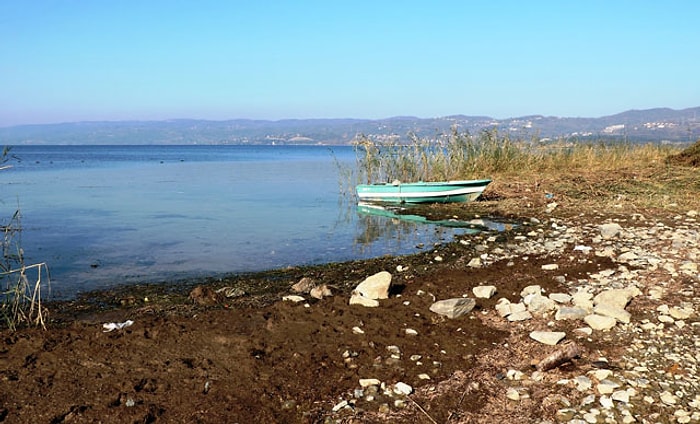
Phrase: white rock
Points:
(503, 308)
(590, 418)
(367, 382)
(293, 298)
(606, 402)
(540, 305)
(550, 338)
(680, 313)
(560, 297)
(599, 322)
(340, 405)
(402, 388)
(583, 383)
(601, 375)
(612, 312)
(517, 307)
(608, 231)
(411, 332)
(358, 299)
(534, 289)
(520, 316)
(453, 308)
(666, 319)
(582, 299)
(627, 257)
(621, 396)
(584, 330)
(375, 286)
(303, 286)
(656, 293)
(484, 292)
(550, 267)
(475, 263)
(514, 375)
(570, 313)
(606, 387)
(668, 398)
(616, 297)
(512, 394)
(319, 292)
(357, 330)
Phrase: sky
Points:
(76, 60)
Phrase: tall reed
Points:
(461, 155)
(21, 284)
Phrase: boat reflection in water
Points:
(394, 222)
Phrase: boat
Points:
(422, 192)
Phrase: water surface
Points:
(102, 216)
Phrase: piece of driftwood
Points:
(561, 356)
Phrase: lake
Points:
(102, 216)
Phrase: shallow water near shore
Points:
(102, 216)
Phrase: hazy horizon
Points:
(66, 62)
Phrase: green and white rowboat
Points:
(422, 192)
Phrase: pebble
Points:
(403, 388)
(658, 361)
(548, 337)
(484, 292)
(600, 322)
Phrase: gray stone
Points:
(550, 338)
(560, 297)
(402, 388)
(358, 299)
(608, 231)
(520, 316)
(540, 305)
(680, 313)
(616, 297)
(534, 289)
(484, 292)
(319, 292)
(304, 285)
(600, 322)
(375, 286)
(475, 263)
(565, 313)
(453, 308)
(293, 298)
(608, 310)
(627, 257)
(583, 300)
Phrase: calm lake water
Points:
(102, 216)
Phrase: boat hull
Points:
(422, 192)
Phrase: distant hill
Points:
(657, 125)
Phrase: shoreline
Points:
(299, 363)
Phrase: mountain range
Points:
(655, 125)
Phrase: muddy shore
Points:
(194, 354)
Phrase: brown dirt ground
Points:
(257, 359)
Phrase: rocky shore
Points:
(629, 332)
(567, 320)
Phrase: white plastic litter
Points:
(110, 326)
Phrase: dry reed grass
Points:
(612, 176)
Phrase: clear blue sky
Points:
(64, 61)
